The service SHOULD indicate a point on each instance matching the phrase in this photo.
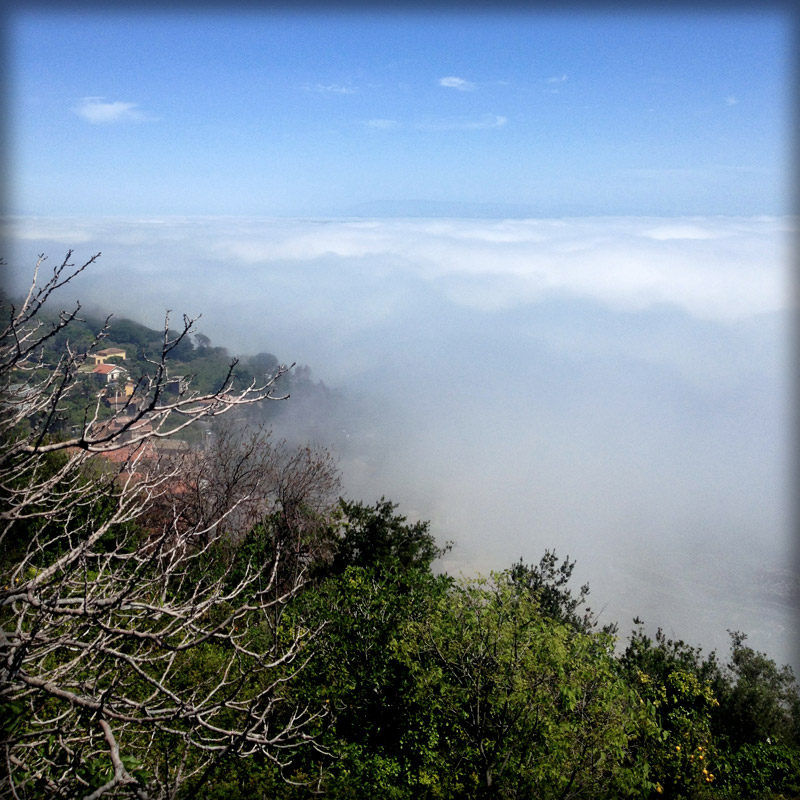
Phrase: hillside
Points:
(194, 364)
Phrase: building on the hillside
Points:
(101, 356)
(115, 402)
(125, 428)
(130, 461)
(142, 427)
(121, 393)
(121, 402)
(177, 385)
(111, 372)
(172, 446)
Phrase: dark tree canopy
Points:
(377, 536)
(549, 581)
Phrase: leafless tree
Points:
(245, 490)
(132, 660)
(243, 476)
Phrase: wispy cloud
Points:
(730, 100)
(451, 82)
(330, 88)
(382, 124)
(486, 122)
(98, 111)
(555, 83)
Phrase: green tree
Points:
(548, 581)
(759, 701)
(375, 579)
(676, 683)
(262, 363)
(377, 732)
(757, 725)
(377, 536)
(523, 705)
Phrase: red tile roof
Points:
(105, 369)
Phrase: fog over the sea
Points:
(613, 388)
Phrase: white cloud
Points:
(714, 268)
(97, 111)
(721, 269)
(486, 122)
(556, 82)
(331, 88)
(452, 82)
(670, 231)
(490, 122)
(730, 100)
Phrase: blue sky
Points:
(347, 112)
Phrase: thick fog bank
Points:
(614, 388)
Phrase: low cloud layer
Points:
(616, 388)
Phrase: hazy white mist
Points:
(614, 388)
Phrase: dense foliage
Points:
(224, 626)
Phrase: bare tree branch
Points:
(131, 618)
